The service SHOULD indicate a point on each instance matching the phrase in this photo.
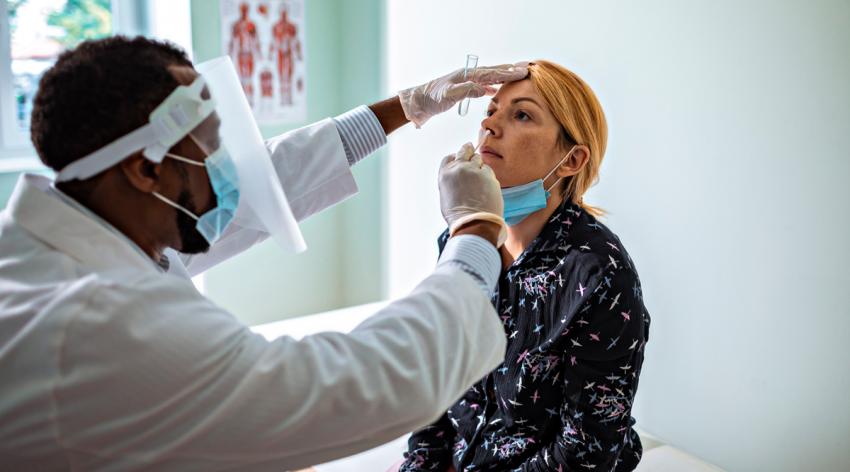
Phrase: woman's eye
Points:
(522, 116)
(490, 112)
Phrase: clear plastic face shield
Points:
(214, 113)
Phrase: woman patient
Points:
(569, 298)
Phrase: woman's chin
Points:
(501, 178)
(492, 161)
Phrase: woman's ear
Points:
(575, 162)
(142, 173)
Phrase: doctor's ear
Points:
(142, 173)
(576, 161)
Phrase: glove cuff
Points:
(483, 216)
(412, 110)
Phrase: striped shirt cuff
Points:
(475, 256)
(361, 133)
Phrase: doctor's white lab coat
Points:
(108, 363)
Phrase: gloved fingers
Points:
(466, 152)
(488, 170)
(457, 77)
(489, 75)
(458, 92)
(446, 161)
(476, 161)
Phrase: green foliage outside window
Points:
(78, 20)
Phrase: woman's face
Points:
(523, 144)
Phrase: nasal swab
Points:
(486, 132)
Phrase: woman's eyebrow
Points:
(524, 99)
(518, 99)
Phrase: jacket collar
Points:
(71, 228)
(554, 238)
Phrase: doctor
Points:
(109, 357)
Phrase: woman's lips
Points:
(490, 152)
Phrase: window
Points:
(37, 32)
(34, 32)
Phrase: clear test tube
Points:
(468, 70)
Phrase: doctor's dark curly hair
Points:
(98, 92)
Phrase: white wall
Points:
(725, 177)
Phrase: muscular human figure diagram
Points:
(285, 49)
(244, 46)
(266, 84)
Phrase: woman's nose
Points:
(489, 124)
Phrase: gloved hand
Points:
(432, 98)
(469, 191)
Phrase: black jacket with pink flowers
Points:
(576, 325)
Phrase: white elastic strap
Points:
(185, 159)
(175, 205)
(556, 168)
(554, 184)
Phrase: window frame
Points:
(129, 17)
(12, 141)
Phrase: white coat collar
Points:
(70, 230)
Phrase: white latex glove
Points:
(469, 191)
(432, 98)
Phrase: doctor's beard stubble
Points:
(191, 240)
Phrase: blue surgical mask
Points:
(225, 184)
(523, 200)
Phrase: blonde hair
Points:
(582, 121)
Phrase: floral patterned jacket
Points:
(576, 325)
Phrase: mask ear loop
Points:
(186, 159)
(177, 206)
(556, 168)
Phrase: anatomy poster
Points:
(265, 40)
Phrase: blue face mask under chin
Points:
(523, 200)
(225, 184)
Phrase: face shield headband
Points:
(183, 110)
